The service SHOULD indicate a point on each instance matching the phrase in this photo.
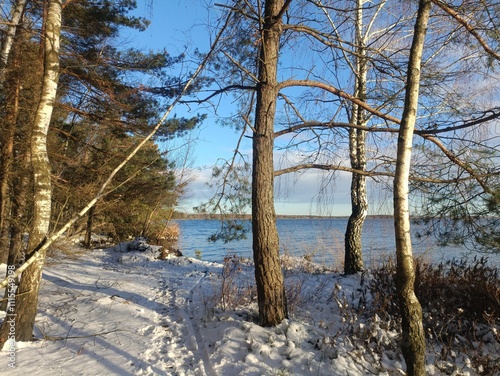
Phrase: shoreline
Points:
(186, 216)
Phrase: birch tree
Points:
(413, 344)
(17, 11)
(23, 310)
(353, 260)
(465, 212)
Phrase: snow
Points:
(120, 311)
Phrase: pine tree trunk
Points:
(9, 127)
(6, 177)
(26, 302)
(353, 261)
(413, 344)
(17, 220)
(5, 180)
(87, 242)
(268, 274)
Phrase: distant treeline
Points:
(181, 215)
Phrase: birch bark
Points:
(17, 12)
(413, 344)
(357, 150)
(24, 309)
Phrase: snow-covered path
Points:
(110, 313)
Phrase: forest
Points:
(401, 94)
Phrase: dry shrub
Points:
(234, 292)
(460, 303)
(167, 238)
(468, 288)
(170, 232)
(459, 286)
(293, 291)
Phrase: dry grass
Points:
(64, 249)
(169, 232)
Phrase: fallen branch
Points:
(47, 337)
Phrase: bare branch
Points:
(339, 93)
(452, 157)
(217, 92)
(284, 9)
(252, 76)
(462, 21)
(494, 114)
(370, 173)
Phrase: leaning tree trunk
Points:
(27, 295)
(353, 261)
(268, 274)
(413, 344)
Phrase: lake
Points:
(321, 238)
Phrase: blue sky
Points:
(181, 26)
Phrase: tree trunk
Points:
(268, 274)
(26, 301)
(7, 159)
(9, 126)
(353, 261)
(413, 345)
(17, 12)
(87, 242)
(17, 219)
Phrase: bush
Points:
(460, 304)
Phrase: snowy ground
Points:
(105, 312)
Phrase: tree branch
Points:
(462, 21)
(371, 173)
(452, 157)
(339, 93)
(421, 132)
(217, 92)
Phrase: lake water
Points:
(322, 238)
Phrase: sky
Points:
(182, 26)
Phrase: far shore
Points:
(203, 216)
